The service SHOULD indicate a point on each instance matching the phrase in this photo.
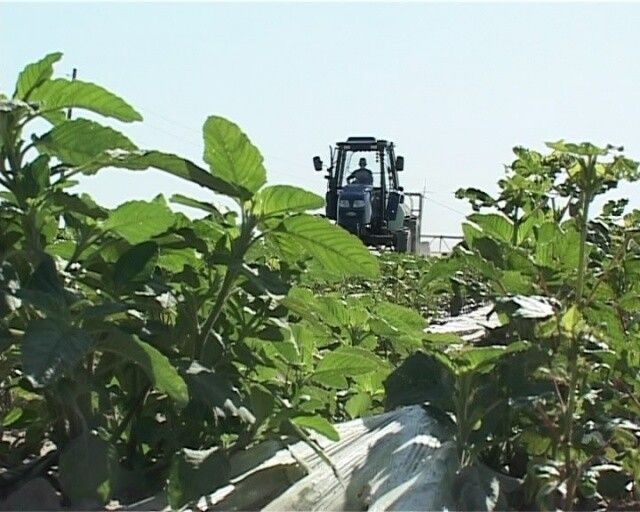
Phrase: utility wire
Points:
(464, 214)
(198, 148)
(191, 130)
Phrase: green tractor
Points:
(371, 203)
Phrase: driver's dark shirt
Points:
(362, 176)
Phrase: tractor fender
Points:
(397, 222)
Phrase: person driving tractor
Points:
(362, 175)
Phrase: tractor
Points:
(371, 204)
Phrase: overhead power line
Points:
(443, 205)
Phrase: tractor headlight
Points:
(344, 203)
(358, 203)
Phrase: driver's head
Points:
(363, 162)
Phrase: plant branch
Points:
(238, 250)
(130, 414)
(586, 198)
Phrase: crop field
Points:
(141, 348)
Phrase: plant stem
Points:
(586, 201)
(230, 276)
(462, 416)
(516, 227)
(238, 250)
(130, 414)
(570, 471)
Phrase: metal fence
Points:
(438, 244)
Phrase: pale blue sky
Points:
(456, 86)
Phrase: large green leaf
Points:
(34, 74)
(318, 424)
(470, 232)
(491, 250)
(443, 268)
(137, 221)
(420, 378)
(402, 326)
(35, 177)
(529, 223)
(157, 367)
(136, 263)
(547, 232)
(545, 235)
(175, 260)
(61, 93)
(80, 141)
(44, 290)
(231, 155)
(566, 246)
(195, 473)
(194, 203)
(84, 470)
(303, 302)
(514, 281)
(167, 162)
(494, 224)
(82, 204)
(347, 362)
(262, 279)
(214, 391)
(333, 248)
(285, 199)
(49, 349)
(13, 416)
(478, 198)
(483, 359)
(400, 318)
(358, 404)
(474, 358)
(583, 149)
(323, 310)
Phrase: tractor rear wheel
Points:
(403, 240)
(411, 225)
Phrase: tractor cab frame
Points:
(376, 213)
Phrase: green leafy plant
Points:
(540, 240)
(131, 335)
(141, 350)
